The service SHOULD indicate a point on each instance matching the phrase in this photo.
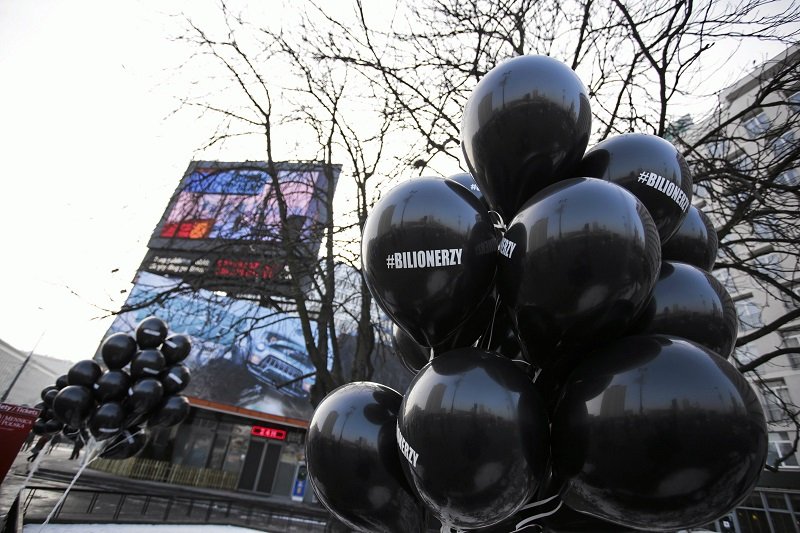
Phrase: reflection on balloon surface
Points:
(651, 168)
(658, 433)
(525, 126)
(691, 303)
(429, 252)
(353, 462)
(474, 436)
(695, 242)
(576, 266)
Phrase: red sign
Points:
(239, 268)
(268, 433)
(15, 424)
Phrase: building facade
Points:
(755, 140)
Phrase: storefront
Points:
(225, 448)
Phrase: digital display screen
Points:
(239, 202)
(268, 433)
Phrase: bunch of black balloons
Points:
(569, 343)
(139, 389)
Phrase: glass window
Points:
(781, 444)
(789, 178)
(744, 163)
(719, 148)
(776, 500)
(791, 339)
(749, 314)
(783, 144)
(776, 396)
(752, 521)
(746, 354)
(237, 449)
(757, 125)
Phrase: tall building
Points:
(751, 144)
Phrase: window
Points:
(789, 178)
(718, 149)
(744, 163)
(795, 98)
(746, 354)
(791, 305)
(791, 339)
(725, 277)
(763, 230)
(776, 395)
(784, 144)
(749, 314)
(781, 444)
(757, 125)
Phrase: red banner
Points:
(15, 424)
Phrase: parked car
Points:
(276, 360)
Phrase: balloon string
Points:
(524, 523)
(491, 325)
(498, 222)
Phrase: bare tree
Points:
(385, 98)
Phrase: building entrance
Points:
(260, 466)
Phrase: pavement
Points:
(53, 472)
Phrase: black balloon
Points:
(412, 355)
(502, 338)
(567, 520)
(695, 242)
(147, 364)
(657, 433)
(127, 444)
(73, 404)
(45, 391)
(73, 433)
(525, 126)
(171, 412)
(117, 350)
(175, 378)
(112, 386)
(107, 420)
(144, 395)
(466, 179)
(353, 462)
(691, 303)
(151, 332)
(475, 327)
(49, 396)
(577, 264)
(53, 426)
(474, 436)
(429, 254)
(84, 373)
(651, 168)
(176, 348)
(62, 381)
(39, 426)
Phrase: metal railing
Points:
(103, 506)
(166, 472)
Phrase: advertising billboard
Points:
(214, 267)
(223, 203)
(243, 354)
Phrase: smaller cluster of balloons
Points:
(569, 344)
(139, 389)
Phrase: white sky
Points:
(89, 160)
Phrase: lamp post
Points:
(21, 369)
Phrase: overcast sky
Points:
(89, 159)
